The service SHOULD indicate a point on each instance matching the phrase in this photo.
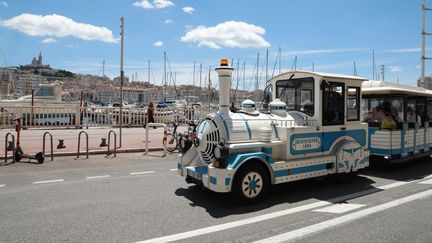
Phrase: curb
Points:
(96, 152)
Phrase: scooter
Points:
(19, 153)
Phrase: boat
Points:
(45, 107)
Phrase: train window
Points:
(421, 111)
(429, 110)
(353, 104)
(373, 109)
(333, 106)
(411, 114)
(297, 94)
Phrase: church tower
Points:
(40, 58)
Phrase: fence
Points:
(76, 117)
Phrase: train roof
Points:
(382, 87)
(324, 75)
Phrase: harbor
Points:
(190, 121)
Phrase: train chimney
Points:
(224, 72)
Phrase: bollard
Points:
(103, 143)
(164, 139)
(10, 146)
(61, 144)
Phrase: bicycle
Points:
(171, 142)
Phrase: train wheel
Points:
(171, 142)
(251, 184)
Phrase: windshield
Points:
(297, 94)
(44, 91)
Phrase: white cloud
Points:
(143, 4)
(57, 26)
(229, 34)
(168, 21)
(163, 3)
(5, 4)
(188, 10)
(48, 41)
(405, 50)
(158, 43)
(321, 51)
(395, 69)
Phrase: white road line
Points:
(47, 181)
(2, 185)
(393, 185)
(97, 177)
(339, 208)
(238, 223)
(173, 169)
(306, 231)
(426, 182)
(141, 173)
(260, 218)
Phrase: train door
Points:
(333, 113)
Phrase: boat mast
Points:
(256, 82)
(373, 64)
(209, 87)
(148, 72)
(165, 80)
(280, 60)
(200, 82)
(121, 78)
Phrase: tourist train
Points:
(315, 124)
(313, 128)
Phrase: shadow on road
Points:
(219, 205)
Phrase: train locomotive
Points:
(311, 128)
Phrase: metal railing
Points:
(79, 144)
(109, 143)
(52, 146)
(73, 116)
(10, 148)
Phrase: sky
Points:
(326, 36)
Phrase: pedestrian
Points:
(150, 113)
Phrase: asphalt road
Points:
(134, 198)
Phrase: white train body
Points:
(314, 131)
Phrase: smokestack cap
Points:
(224, 62)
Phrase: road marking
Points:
(173, 169)
(2, 185)
(393, 185)
(220, 227)
(97, 177)
(47, 181)
(426, 182)
(141, 173)
(339, 208)
(306, 231)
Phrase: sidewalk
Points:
(133, 140)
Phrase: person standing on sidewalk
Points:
(150, 113)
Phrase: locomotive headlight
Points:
(185, 144)
(221, 151)
(196, 142)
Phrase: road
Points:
(136, 197)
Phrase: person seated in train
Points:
(377, 113)
(411, 116)
(388, 122)
(421, 112)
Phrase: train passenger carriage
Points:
(410, 108)
(312, 128)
